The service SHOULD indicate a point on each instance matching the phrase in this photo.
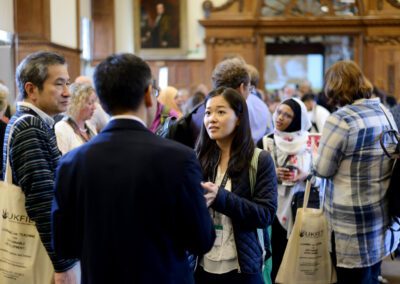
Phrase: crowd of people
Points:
(114, 202)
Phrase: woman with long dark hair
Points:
(225, 149)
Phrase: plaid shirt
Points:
(358, 173)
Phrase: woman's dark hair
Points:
(242, 147)
(345, 83)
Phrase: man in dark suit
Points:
(128, 203)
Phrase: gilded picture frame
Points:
(160, 28)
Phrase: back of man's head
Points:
(121, 81)
(230, 73)
(34, 69)
(254, 75)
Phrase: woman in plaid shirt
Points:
(358, 173)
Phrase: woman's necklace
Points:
(82, 130)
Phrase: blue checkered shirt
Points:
(358, 173)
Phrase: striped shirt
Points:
(34, 157)
(351, 157)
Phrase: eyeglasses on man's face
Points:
(251, 89)
(155, 88)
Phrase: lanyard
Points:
(224, 179)
(223, 184)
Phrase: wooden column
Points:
(32, 29)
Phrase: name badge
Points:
(219, 234)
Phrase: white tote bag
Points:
(23, 258)
(307, 259)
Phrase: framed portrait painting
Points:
(160, 28)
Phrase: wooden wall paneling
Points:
(32, 19)
(103, 29)
(198, 74)
(72, 56)
(32, 29)
(260, 55)
(181, 73)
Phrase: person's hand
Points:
(211, 192)
(299, 176)
(66, 277)
(284, 174)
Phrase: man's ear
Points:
(243, 90)
(147, 97)
(30, 89)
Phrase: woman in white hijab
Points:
(291, 151)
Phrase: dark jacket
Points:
(129, 206)
(248, 212)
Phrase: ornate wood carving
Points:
(209, 7)
(296, 8)
(382, 40)
(394, 3)
(230, 40)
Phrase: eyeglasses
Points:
(251, 89)
(284, 114)
(156, 89)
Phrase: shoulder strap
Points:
(314, 124)
(253, 169)
(395, 133)
(384, 112)
(253, 176)
(8, 172)
(164, 114)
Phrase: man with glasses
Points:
(42, 79)
(129, 203)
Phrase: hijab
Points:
(295, 125)
(293, 140)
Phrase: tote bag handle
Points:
(8, 174)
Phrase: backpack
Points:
(181, 130)
(165, 122)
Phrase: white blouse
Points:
(67, 139)
(222, 258)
